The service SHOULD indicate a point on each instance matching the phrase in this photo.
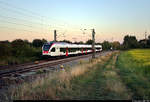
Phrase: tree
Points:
(44, 41)
(27, 42)
(67, 41)
(37, 43)
(148, 41)
(18, 43)
(18, 46)
(89, 41)
(81, 42)
(5, 49)
(130, 42)
(106, 45)
(116, 45)
(143, 43)
(5, 42)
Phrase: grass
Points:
(118, 75)
(113, 83)
(85, 81)
(135, 72)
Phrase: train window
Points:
(53, 50)
(63, 50)
(72, 49)
(89, 49)
(46, 47)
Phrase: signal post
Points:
(93, 43)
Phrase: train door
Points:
(82, 50)
(66, 51)
(86, 51)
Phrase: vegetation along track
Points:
(17, 71)
(8, 67)
(96, 79)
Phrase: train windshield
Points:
(46, 47)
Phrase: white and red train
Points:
(66, 49)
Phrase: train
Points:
(67, 49)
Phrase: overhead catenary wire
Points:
(30, 19)
(20, 29)
(38, 15)
(28, 13)
(26, 21)
(7, 17)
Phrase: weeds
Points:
(107, 77)
(75, 83)
(113, 83)
(40, 71)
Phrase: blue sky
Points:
(112, 19)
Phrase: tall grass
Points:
(135, 72)
(114, 87)
(63, 84)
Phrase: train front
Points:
(46, 49)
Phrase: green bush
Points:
(5, 50)
(18, 51)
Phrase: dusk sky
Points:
(111, 19)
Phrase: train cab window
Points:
(53, 50)
(46, 47)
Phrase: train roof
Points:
(53, 42)
(64, 44)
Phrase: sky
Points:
(37, 19)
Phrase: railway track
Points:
(27, 68)
(7, 67)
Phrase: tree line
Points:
(20, 51)
(129, 42)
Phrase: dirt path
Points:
(101, 83)
(114, 84)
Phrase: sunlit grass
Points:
(134, 66)
(141, 56)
